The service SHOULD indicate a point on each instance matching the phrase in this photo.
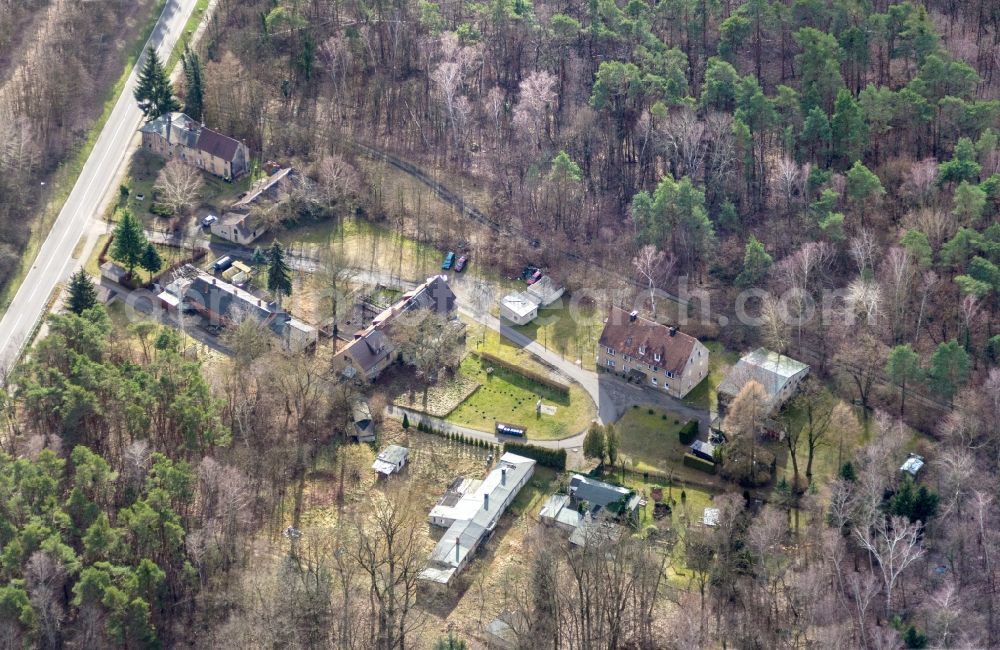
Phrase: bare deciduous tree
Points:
(178, 185)
(894, 543)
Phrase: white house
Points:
(521, 308)
(518, 308)
(239, 227)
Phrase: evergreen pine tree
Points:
(154, 92)
(279, 278)
(194, 93)
(151, 260)
(130, 242)
(82, 294)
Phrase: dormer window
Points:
(656, 358)
(642, 350)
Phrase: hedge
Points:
(688, 432)
(554, 458)
(690, 460)
(538, 377)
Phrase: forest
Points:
(839, 159)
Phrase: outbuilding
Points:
(391, 460)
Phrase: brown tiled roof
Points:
(369, 349)
(217, 145)
(626, 336)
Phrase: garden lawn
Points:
(568, 328)
(651, 442)
(719, 361)
(367, 246)
(686, 511)
(836, 446)
(507, 396)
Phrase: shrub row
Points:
(457, 437)
(554, 458)
(690, 460)
(538, 377)
(688, 432)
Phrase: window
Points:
(654, 381)
(611, 352)
(642, 350)
(655, 368)
(670, 374)
(624, 368)
(656, 358)
(611, 363)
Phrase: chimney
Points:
(503, 476)
(213, 282)
(673, 331)
(260, 303)
(633, 315)
(486, 502)
(458, 552)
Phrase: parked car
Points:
(535, 277)
(460, 264)
(449, 260)
(222, 263)
(209, 220)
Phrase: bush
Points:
(161, 210)
(688, 432)
(536, 377)
(554, 458)
(406, 421)
(690, 460)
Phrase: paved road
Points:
(54, 260)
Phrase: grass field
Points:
(365, 245)
(509, 397)
(719, 361)
(568, 328)
(650, 442)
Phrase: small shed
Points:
(545, 291)
(703, 450)
(391, 460)
(711, 517)
(912, 465)
(364, 426)
(113, 272)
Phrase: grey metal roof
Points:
(770, 369)
(227, 300)
(594, 492)
(473, 518)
